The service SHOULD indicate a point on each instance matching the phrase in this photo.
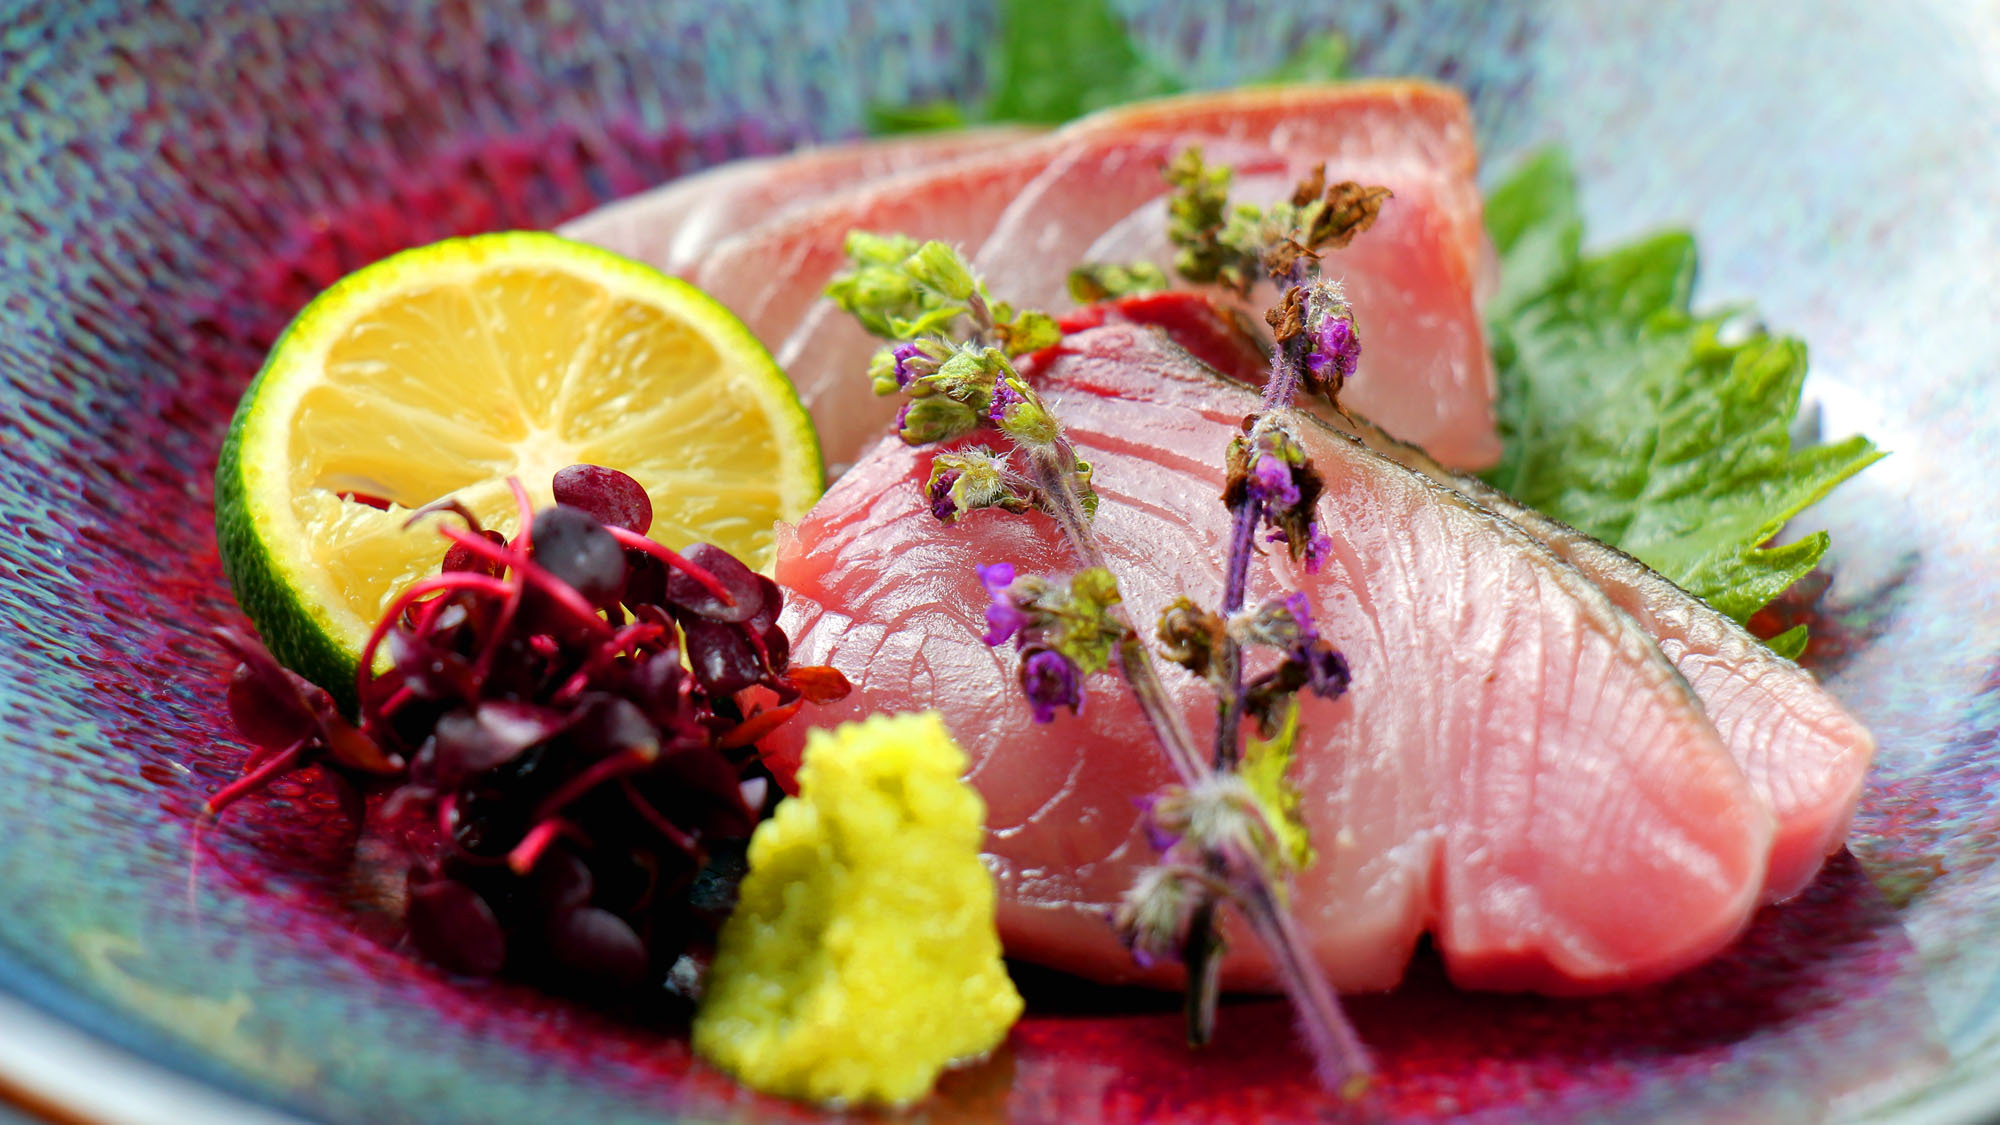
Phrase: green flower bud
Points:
(1104, 281)
(937, 266)
(882, 372)
(968, 376)
(1086, 632)
(935, 418)
(1031, 331)
(867, 248)
(1021, 416)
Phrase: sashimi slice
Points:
(673, 225)
(772, 275)
(1801, 751)
(825, 351)
(1425, 374)
(1516, 769)
(1411, 118)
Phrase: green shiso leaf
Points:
(1322, 58)
(1633, 419)
(1059, 59)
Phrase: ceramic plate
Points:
(178, 178)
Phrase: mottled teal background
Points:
(177, 178)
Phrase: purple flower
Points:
(904, 353)
(1327, 674)
(1158, 837)
(1050, 681)
(1336, 349)
(1271, 483)
(1301, 611)
(1318, 544)
(996, 577)
(1003, 617)
(1004, 396)
(943, 506)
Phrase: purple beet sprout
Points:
(566, 736)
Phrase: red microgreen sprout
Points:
(564, 730)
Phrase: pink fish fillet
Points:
(823, 349)
(673, 225)
(1356, 120)
(1516, 769)
(772, 275)
(1802, 752)
(1426, 376)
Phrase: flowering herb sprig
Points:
(1237, 245)
(1110, 281)
(1226, 834)
(566, 729)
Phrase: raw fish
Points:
(1425, 374)
(673, 225)
(1415, 133)
(1802, 752)
(773, 275)
(1516, 769)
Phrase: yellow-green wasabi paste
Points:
(862, 958)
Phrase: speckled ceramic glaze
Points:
(177, 179)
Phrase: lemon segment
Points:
(444, 370)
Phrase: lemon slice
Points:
(444, 370)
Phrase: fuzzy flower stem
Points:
(1049, 467)
(1202, 955)
(1339, 1059)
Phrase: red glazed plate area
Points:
(181, 183)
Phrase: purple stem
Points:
(1339, 1059)
(1242, 537)
(1279, 392)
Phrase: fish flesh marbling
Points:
(1516, 769)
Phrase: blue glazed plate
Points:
(179, 178)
